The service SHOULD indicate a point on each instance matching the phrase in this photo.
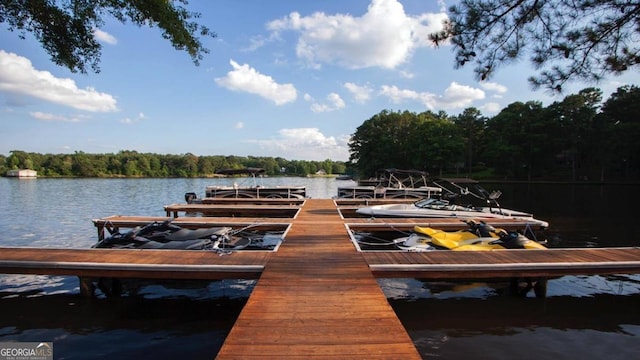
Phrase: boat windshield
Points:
(431, 203)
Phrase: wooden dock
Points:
(317, 295)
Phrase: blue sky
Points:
(291, 79)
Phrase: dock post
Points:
(540, 288)
(87, 288)
(538, 285)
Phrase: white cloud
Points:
(259, 41)
(385, 36)
(239, 125)
(454, 97)
(105, 37)
(361, 94)
(491, 86)
(459, 96)
(128, 121)
(308, 144)
(397, 95)
(18, 77)
(490, 108)
(246, 79)
(334, 102)
(55, 118)
(406, 74)
(255, 43)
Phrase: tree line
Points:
(134, 164)
(578, 138)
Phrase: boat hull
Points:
(412, 211)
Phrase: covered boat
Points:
(250, 189)
(391, 184)
(454, 191)
(439, 208)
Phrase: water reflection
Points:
(583, 317)
(502, 314)
(126, 327)
(165, 319)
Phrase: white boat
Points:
(439, 208)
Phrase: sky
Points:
(284, 78)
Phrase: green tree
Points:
(338, 168)
(405, 140)
(190, 165)
(516, 140)
(575, 142)
(82, 165)
(16, 159)
(620, 120)
(205, 165)
(472, 124)
(566, 39)
(3, 166)
(66, 28)
(380, 142)
(130, 168)
(439, 143)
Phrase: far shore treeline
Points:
(134, 164)
(580, 138)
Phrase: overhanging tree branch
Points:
(66, 28)
(564, 39)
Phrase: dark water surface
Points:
(585, 317)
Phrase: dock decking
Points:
(317, 297)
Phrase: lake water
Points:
(586, 317)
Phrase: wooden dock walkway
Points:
(317, 298)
